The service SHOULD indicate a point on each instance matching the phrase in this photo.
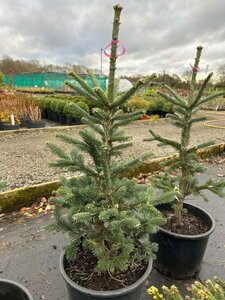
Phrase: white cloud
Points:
(159, 35)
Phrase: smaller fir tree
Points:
(185, 110)
(107, 215)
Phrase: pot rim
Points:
(106, 294)
(23, 288)
(192, 237)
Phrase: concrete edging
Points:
(15, 199)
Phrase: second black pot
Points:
(180, 256)
(132, 292)
(11, 290)
(10, 127)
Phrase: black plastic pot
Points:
(78, 121)
(39, 124)
(25, 121)
(62, 119)
(10, 127)
(44, 114)
(71, 121)
(50, 115)
(11, 290)
(55, 117)
(75, 291)
(180, 256)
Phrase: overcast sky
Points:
(158, 34)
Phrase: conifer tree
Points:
(106, 214)
(185, 110)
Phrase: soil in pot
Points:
(11, 290)
(91, 285)
(190, 224)
(181, 252)
(85, 264)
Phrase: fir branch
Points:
(200, 146)
(165, 141)
(180, 110)
(68, 139)
(121, 147)
(216, 187)
(130, 164)
(113, 56)
(195, 120)
(121, 99)
(97, 128)
(102, 96)
(82, 92)
(166, 197)
(122, 116)
(93, 78)
(57, 151)
(194, 73)
(210, 97)
(172, 100)
(127, 120)
(176, 96)
(77, 109)
(201, 91)
(86, 87)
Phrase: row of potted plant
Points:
(57, 109)
(19, 110)
(149, 104)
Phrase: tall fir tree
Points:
(106, 214)
(185, 111)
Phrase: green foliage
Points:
(1, 78)
(60, 106)
(106, 214)
(185, 111)
(150, 92)
(138, 103)
(207, 291)
(72, 110)
(2, 185)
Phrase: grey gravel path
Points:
(24, 156)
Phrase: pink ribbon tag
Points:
(195, 69)
(117, 42)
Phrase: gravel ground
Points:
(24, 156)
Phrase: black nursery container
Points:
(10, 127)
(11, 290)
(25, 121)
(132, 292)
(62, 119)
(180, 256)
(44, 114)
(71, 121)
(39, 124)
(55, 117)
